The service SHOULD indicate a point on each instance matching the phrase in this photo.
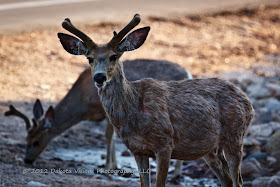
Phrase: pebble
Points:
(259, 156)
(126, 153)
(258, 91)
(250, 168)
(273, 181)
(34, 183)
(273, 146)
(261, 130)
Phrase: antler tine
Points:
(66, 24)
(119, 36)
(15, 112)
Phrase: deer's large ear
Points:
(72, 44)
(134, 40)
(38, 110)
(49, 117)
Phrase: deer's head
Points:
(104, 58)
(37, 133)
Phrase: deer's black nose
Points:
(99, 78)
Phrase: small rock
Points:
(56, 159)
(260, 182)
(275, 167)
(45, 86)
(261, 130)
(195, 170)
(258, 91)
(273, 146)
(274, 181)
(275, 126)
(274, 89)
(273, 104)
(71, 165)
(103, 156)
(34, 183)
(250, 144)
(126, 153)
(263, 141)
(250, 141)
(271, 160)
(126, 175)
(177, 180)
(259, 156)
(265, 117)
(250, 168)
(265, 172)
(247, 183)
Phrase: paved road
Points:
(18, 15)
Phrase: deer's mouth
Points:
(99, 85)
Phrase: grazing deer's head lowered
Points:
(36, 139)
(103, 58)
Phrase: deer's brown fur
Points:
(184, 119)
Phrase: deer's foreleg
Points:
(163, 160)
(144, 169)
(111, 162)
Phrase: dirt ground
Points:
(34, 65)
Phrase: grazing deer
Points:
(184, 120)
(84, 94)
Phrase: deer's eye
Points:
(113, 58)
(90, 60)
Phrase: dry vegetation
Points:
(35, 65)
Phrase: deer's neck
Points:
(67, 113)
(120, 99)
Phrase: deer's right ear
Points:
(38, 110)
(49, 117)
(72, 44)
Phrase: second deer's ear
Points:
(38, 110)
(50, 114)
(49, 117)
(72, 44)
(134, 40)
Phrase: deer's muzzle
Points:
(99, 79)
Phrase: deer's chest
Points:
(144, 135)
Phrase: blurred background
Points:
(237, 40)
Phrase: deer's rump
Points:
(204, 113)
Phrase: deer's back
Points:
(215, 98)
(201, 112)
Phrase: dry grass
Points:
(34, 65)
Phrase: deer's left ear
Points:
(38, 110)
(72, 44)
(134, 40)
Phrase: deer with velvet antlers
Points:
(184, 120)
